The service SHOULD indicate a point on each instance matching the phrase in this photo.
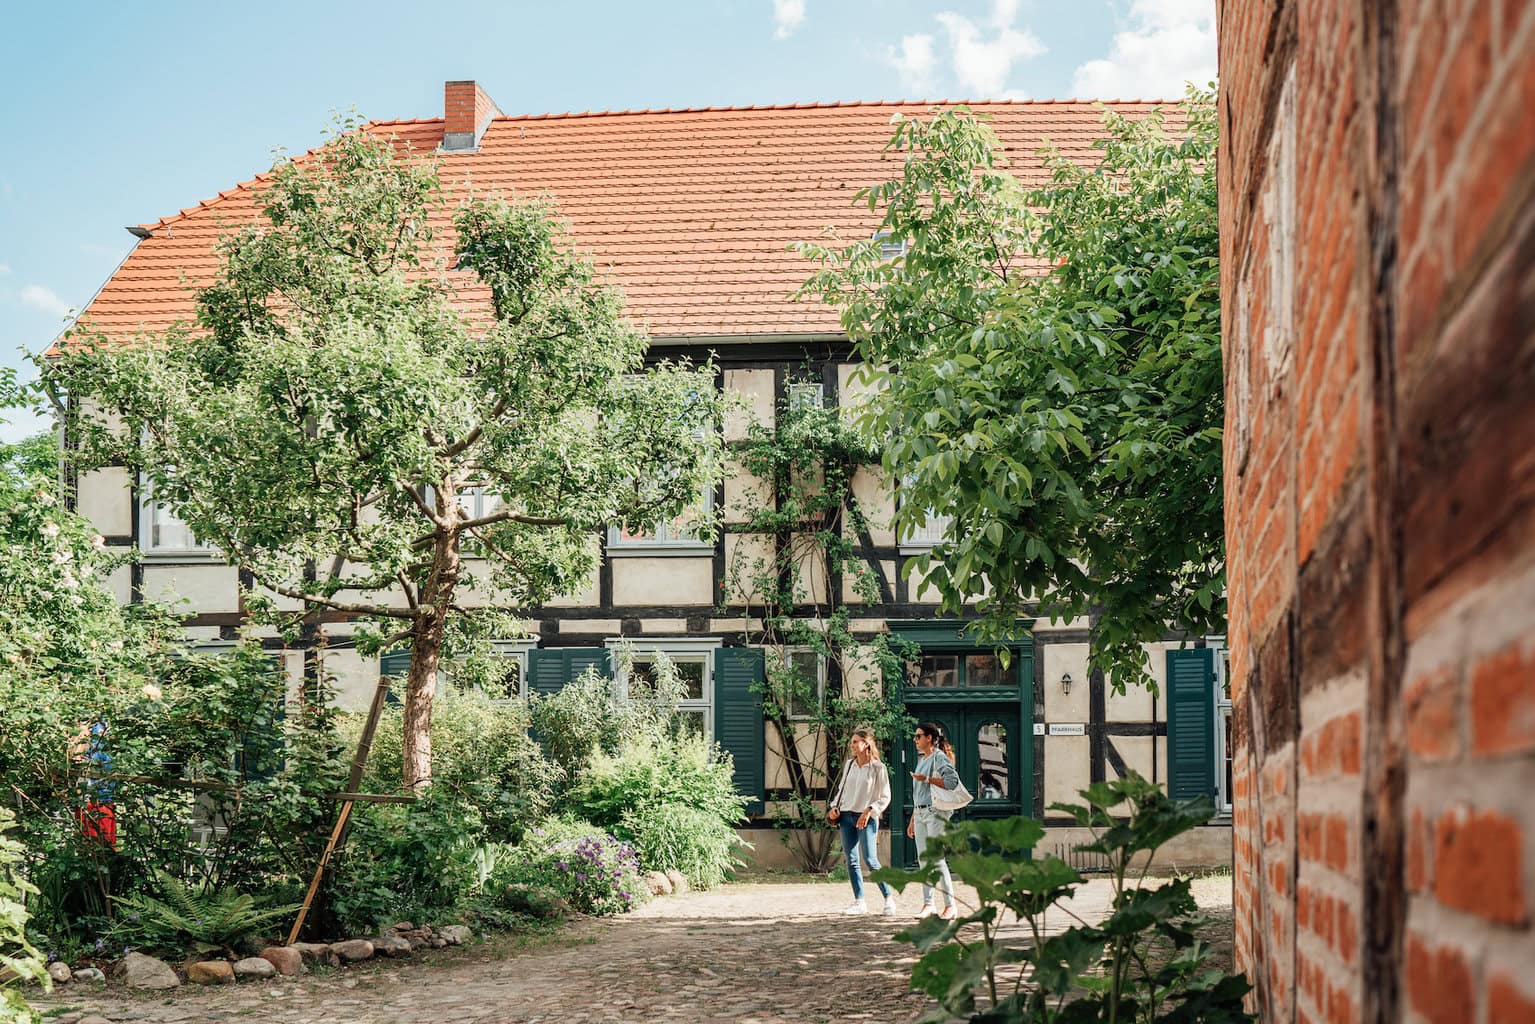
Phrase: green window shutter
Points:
(550, 668)
(1191, 723)
(738, 724)
(396, 665)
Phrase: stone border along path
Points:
(759, 952)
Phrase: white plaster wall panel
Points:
(735, 625)
(748, 556)
(854, 385)
(1134, 705)
(663, 581)
(1067, 770)
(352, 676)
(877, 499)
(105, 497)
(1061, 706)
(205, 588)
(860, 675)
(202, 634)
(1044, 624)
(604, 627)
(660, 627)
(744, 493)
(867, 625)
(287, 604)
(1159, 745)
(754, 403)
(120, 582)
(1136, 752)
(810, 572)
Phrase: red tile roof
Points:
(690, 210)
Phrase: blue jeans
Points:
(864, 841)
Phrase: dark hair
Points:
(940, 739)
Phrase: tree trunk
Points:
(435, 604)
(421, 685)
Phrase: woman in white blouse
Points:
(861, 797)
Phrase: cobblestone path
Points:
(756, 953)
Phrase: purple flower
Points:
(562, 865)
(580, 877)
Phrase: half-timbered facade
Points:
(693, 213)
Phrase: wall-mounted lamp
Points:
(1065, 682)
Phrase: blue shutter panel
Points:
(1191, 723)
(738, 725)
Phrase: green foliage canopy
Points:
(355, 371)
(1069, 422)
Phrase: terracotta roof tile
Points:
(691, 211)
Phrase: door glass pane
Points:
(991, 761)
(937, 670)
(984, 670)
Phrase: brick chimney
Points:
(467, 111)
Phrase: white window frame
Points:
(1222, 717)
(517, 651)
(923, 538)
(678, 649)
(148, 510)
(889, 250)
(820, 682)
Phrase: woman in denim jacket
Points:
(935, 767)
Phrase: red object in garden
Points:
(99, 821)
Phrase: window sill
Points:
(701, 550)
(187, 556)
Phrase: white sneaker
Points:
(889, 910)
(857, 907)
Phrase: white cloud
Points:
(983, 61)
(1166, 43)
(5, 268)
(788, 15)
(916, 62)
(38, 297)
(981, 54)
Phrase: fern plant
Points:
(197, 918)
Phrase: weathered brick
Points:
(1503, 703)
(1479, 865)
(1439, 982)
(1507, 1002)
(1433, 715)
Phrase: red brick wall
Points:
(1377, 181)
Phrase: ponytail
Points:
(940, 738)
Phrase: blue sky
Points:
(119, 113)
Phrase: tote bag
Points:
(946, 799)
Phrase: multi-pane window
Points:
(806, 395)
(1223, 744)
(930, 531)
(806, 698)
(160, 529)
(952, 671)
(693, 663)
(676, 534)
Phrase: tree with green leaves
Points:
(1050, 373)
(374, 416)
(808, 522)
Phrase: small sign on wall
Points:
(1039, 728)
(1068, 729)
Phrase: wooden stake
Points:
(359, 763)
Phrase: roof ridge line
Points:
(556, 115)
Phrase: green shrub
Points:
(19, 961)
(189, 918)
(676, 801)
(481, 753)
(1143, 964)
(680, 837)
(411, 861)
(588, 718)
(592, 871)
